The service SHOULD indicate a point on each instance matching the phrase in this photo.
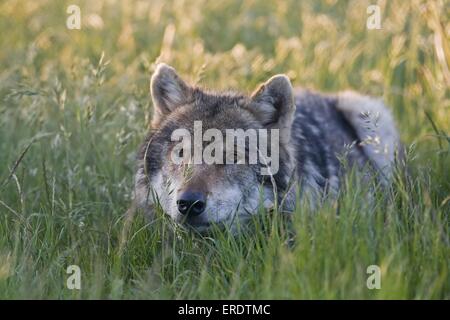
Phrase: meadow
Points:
(75, 105)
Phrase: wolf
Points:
(317, 134)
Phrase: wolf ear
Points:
(273, 104)
(168, 91)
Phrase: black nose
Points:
(191, 203)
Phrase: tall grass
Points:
(74, 106)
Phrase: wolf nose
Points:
(191, 203)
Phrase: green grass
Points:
(71, 122)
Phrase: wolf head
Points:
(206, 180)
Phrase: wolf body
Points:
(318, 133)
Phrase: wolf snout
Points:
(191, 203)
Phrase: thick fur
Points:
(375, 127)
(317, 132)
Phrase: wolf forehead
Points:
(218, 110)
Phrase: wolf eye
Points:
(180, 153)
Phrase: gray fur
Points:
(316, 132)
